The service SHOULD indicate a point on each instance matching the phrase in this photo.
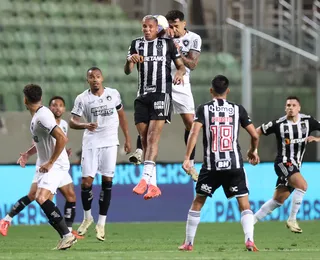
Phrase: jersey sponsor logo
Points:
(43, 127)
(205, 188)
(223, 164)
(158, 105)
(229, 110)
(154, 58)
(288, 141)
(102, 111)
(265, 127)
(220, 119)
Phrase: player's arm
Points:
(24, 157)
(132, 59)
(125, 129)
(61, 141)
(181, 70)
(191, 60)
(314, 125)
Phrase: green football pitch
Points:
(160, 241)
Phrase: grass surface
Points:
(160, 241)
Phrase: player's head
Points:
(220, 86)
(150, 27)
(32, 94)
(176, 22)
(293, 106)
(57, 105)
(94, 78)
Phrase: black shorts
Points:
(284, 171)
(153, 106)
(234, 182)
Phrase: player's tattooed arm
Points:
(191, 60)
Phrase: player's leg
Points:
(188, 120)
(136, 157)
(300, 186)
(89, 165)
(280, 195)
(107, 166)
(206, 186)
(47, 185)
(67, 190)
(17, 208)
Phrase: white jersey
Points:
(189, 41)
(42, 124)
(102, 110)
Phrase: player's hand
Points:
(23, 159)
(178, 79)
(186, 166)
(177, 46)
(127, 146)
(45, 167)
(253, 157)
(91, 126)
(170, 32)
(311, 139)
(134, 58)
(69, 152)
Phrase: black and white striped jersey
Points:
(154, 69)
(221, 120)
(291, 137)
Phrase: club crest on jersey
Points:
(109, 98)
(35, 138)
(185, 42)
(159, 45)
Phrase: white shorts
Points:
(65, 181)
(53, 179)
(102, 160)
(182, 99)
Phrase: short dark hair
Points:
(293, 97)
(33, 93)
(175, 14)
(94, 68)
(220, 84)
(57, 97)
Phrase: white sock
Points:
(70, 229)
(192, 225)
(139, 151)
(266, 209)
(153, 179)
(148, 170)
(87, 214)
(296, 203)
(102, 220)
(247, 224)
(67, 235)
(192, 163)
(8, 218)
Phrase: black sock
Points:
(19, 206)
(69, 213)
(186, 136)
(105, 197)
(54, 216)
(86, 196)
(139, 144)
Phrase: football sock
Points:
(266, 209)
(86, 197)
(105, 197)
(247, 224)
(148, 170)
(186, 136)
(192, 225)
(69, 213)
(296, 203)
(139, 143)
(19, 206)
(102, 220)
(153, 179)
(54, 216)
